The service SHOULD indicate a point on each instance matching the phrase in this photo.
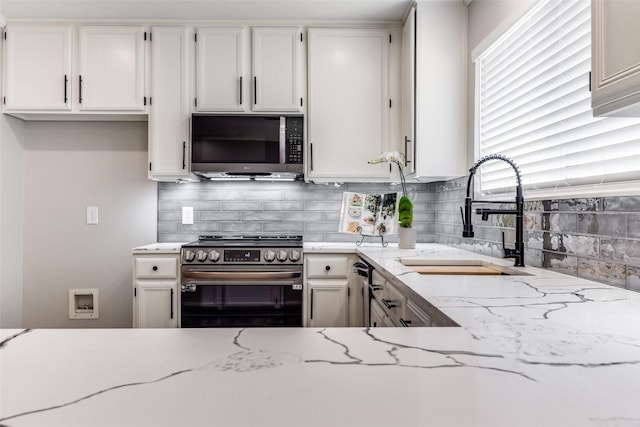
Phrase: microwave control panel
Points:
(294, 139)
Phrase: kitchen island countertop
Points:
(540, 350)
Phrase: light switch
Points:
(187, 215)
(92, 215)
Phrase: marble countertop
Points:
(159, 248)
(540, 350)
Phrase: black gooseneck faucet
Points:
(467, 231)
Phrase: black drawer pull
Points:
(155, 268)
(388, 304)
(327, 267)
(405, 323)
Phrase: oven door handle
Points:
(234, 275)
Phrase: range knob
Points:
(269, 256)
(189, 255)
(294, 256)
(282, 255)
(214, 255)
(201, 255)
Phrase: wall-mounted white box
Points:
(83, 303)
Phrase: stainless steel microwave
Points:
(247, 146)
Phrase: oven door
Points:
(241, 297)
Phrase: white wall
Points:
(11, 135)
(69, 166)
(11, 221)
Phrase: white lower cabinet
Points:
(391, 307)
(327, 303)
(155, 292)
(334, 292)
(156, 304)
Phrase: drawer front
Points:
(156, 267)
(327, 267)
(393, 301)
(415, 317)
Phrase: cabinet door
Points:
(275, 64)
(111, 68)
(615, 58)
(221, 82)
(155, 304)
(409, 91)
(169, 109)
(328, 303)
(37, 68)
(348, 108)
(378, 317)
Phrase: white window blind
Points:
(533, 105)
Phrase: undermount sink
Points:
(460, 267)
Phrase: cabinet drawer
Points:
(415, 317)
(327, 267)
(393, 301)
(156, 267)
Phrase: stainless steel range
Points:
(242, 281)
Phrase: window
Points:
(533, 105)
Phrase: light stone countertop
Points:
(159, 248)
(540, 350)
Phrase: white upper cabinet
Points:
(349, 103)
(37, 68)
(221, 81)
(615, 58)
(238, 74)
(169, 110)
(409, 92)
(276, 64)
(111, 68)
(441, 90)
(53, 70)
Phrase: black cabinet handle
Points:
(255, 90)
(388, 304)
(327, 267)
(405, 323)
(171, 303)
(311, 306)
(374, 288)
(240, 90)
(80, 89)
(406, 153)
(155, 268)
(184, 154)
(311, 155)
(66, 80)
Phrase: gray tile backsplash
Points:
(312, 210)
(594, 238)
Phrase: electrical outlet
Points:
(92, 215)
(187, 215)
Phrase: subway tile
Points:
(241, 206)
(262, 195)
(262, 216)
(633, 278)
(633, 226)
(621, 250)
(289, 227)
(321, 226)
(602, 271)
(306, 216)
(283, 206)
(559, 262)
(562, 223)
(240, 227)
(220, 216)
(572, 244)
(322, 206)
(177, 237)
(602, 224)
(622, 204)
(220, 195)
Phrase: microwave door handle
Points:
(283, 139)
